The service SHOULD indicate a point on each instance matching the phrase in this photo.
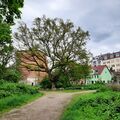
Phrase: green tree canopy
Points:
(79, 71)
(6, 47)
(72, 74)
(10, 10)
(60, 41)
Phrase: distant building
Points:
(96, 61)
(112, 60)
(116, 77)
(100, 73)
(29, 68)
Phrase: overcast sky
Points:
(100, 17)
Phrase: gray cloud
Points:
(101, 18)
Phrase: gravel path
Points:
(48, 107)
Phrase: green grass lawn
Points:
(64, 91)
(94, 106)
(14, 101)
(14, 95)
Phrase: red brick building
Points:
(31, 67)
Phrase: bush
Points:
(27, 89)
(46, 83)
(63, 81)
(16, 100)
(9, 89)
(12, 75)
(4, 93)
(15, 94)
(95, 86)
(76, 87)
(95, 106)
(104, 88)
(2, 81)
(115, 87)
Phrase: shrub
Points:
(2, 81)
(95, 86)
(76, 87)
(15, 94)
(4, 93)
(16, 100)
(8, 89)
(27, 89)
(96, 106)
(46, 83)
(63, 81)
(12, 75)
(104, 88)
(114, 87)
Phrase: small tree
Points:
(9, 11)
(77, 72)
(72, 73)
(12, 74)
(60, 41)
(6, 47)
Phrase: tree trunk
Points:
(52, 81)
(53, 86)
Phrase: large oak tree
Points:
(60, 41)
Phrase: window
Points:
(117, 54)
(97, 76)
(113, 65)
(94, 62)
(96, 71)
(91, 76)
(104, 63)
(105, 57)
(99, 62)
(109, 67)
(111, 56)
(117, 64)
(117, 60)
(118, 70)
(92, 82)
(109, 81)
(112, 61)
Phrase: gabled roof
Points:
(99, 68)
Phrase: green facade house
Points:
(100, 73)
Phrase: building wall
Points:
(96, 61)
(114, 63)
(105, 77)
(30, 76)
(109, 59)
(93, 77)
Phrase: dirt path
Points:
(48, 107)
